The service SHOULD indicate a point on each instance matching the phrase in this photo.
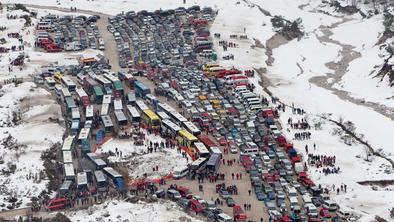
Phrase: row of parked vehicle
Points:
(161, 37)
(68, 33)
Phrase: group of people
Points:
(226, 44)
(249, 72)
(228, 57)
(302, 135)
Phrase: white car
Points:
(233, 149)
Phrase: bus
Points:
(107, 122)
(84, 138)
(69, 171)
(131, 98)
(58, 77)
(89, 112)
(65, 93)
(186, 139)
(213, 163)
(50, 82)
(68, 83)
(96, 160)
(107, 99)
(163, 115)
(140, 89)
(133, 114)
(82, 182)
(104, 109)
(210, 65)
(101, 181)
(141, 106)
(151, 119)
(191, 128)
(83, 96)
(202, 150)
(120, 117)
(75, 114)
(178, 118)
(115, 178)
(67, 157)
(103, 81)
(68, 143)
(118, 104)
(169, 128)
(65, 189)
(199, 163)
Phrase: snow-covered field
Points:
(36, 107)
(123, 211)
(140, 162)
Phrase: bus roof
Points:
(67, 156)
(106, 99)
(67, 143)
(112, 172)
(120, 116)
(152, 115)
(170, 124)
(100, 176)
(133, 111)
(84, 133)
(191, 127)
(69, 169)
(118, 104)
(201, 148)
(163, 115)
(187, 135)
(141, 105)
(107, 121)
(82, 178)
(89, 111)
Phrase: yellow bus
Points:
(58, 77)
(186, 139)
(207, 67)
(151, 119)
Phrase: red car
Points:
(223, 142)
(325, 213)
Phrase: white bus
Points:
(192, 128)
(169, 127)
(103, 81)
(163, 115)
(107, 99)
(84, 134)
(65, 93)
(200, 162)
(111, 77)
(120, 117)
(202, 150)
(68, 143)
(101, 181)
(178, 118)
(141, 106)
(75, 115)
(82, 181)
(104, 109)
(133, 114)
(68, 83)
(89, 112)
(118, 104)
(69, 171)
(67, 157)
(50, 82)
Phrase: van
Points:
(173, 194)
(312, 210)
(239, 89)
(180, 172)
(186, 104)
(343, 214)
(292, 192)
(307, 199)
(224, 218)
(266, 159)
(330, 205)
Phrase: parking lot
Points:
(169, 66)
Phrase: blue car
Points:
(261, 196)
(271, 195)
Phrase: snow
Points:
(140, 162)
(162, 211)
(34, 119)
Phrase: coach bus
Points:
(151, 119)
(213, 163)
(116, 179)
(101, 181)
(104, 109)
(191, 128)
(201, 150)
(199, 163)
(168, 127)
(68, 83)
(69, 171)
(141, 106)
(120, 118)
(89, 112)
(82, 182)
(67, 157)
(140, 89)
(133, 114)
(186, 139)
(96, 160)
(68, 143)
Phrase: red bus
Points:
(57, 204)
